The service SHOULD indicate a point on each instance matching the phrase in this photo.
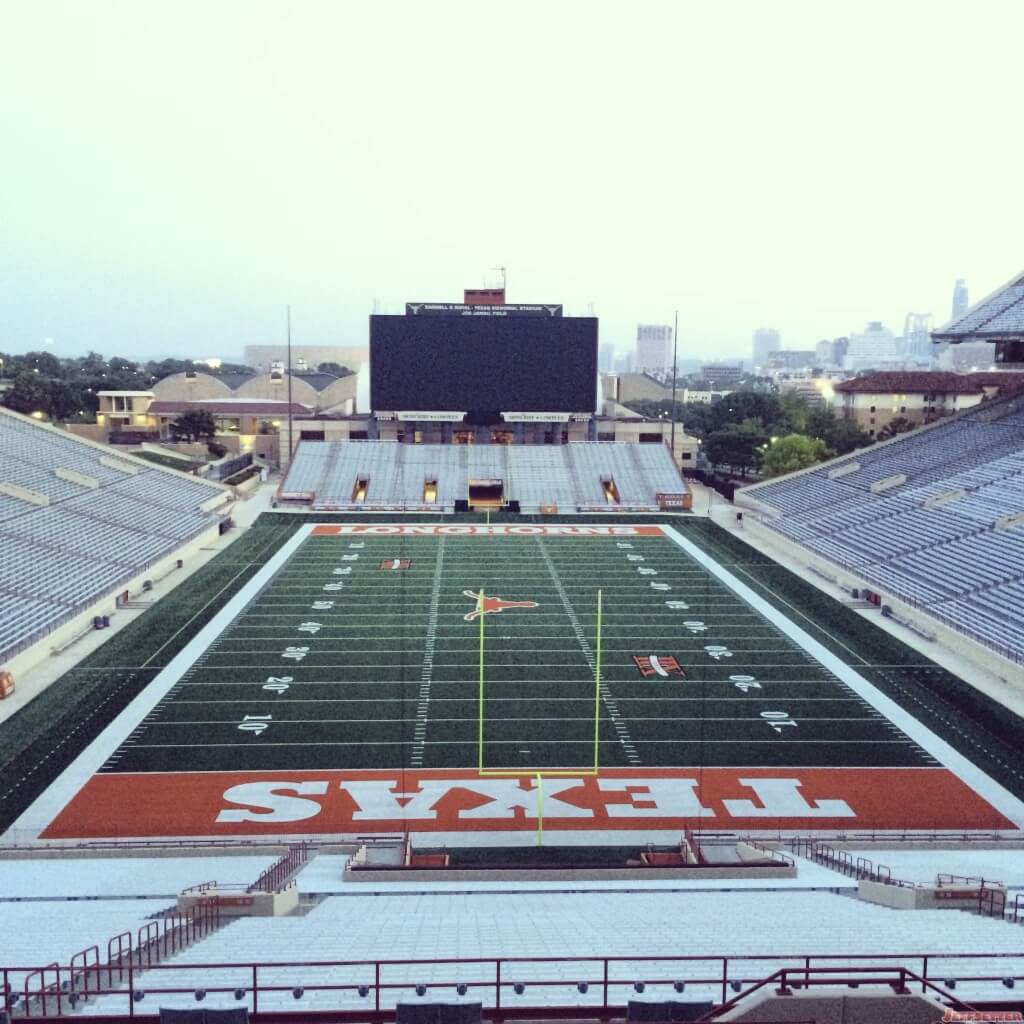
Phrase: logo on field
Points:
(395, 563)
(486, 605)
(664, 665)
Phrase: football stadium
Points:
(480, 710)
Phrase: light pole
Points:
(675, 348)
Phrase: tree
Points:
(63, 402)
(30, 393)
(92, 364)
(738, 447)
(840, 434)
(336, 368)
(748, 405)
(795, 410)
(196, 425)
(899, 425)
(792, 452)
(46, 363)
(165, 367)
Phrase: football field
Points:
(458, 678)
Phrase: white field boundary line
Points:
(426, 675)
(985, 786)
(46, 807)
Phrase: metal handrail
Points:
(499, 975)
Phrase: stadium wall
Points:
(918, 620)
(81, 623)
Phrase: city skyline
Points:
(176, 175)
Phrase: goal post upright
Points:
(597, 685)
(480, 697)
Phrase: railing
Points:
(277, 875)
(692, 840)
(372, 987)
(896, 978)
(943, 879)
(861, 868)
(992, 902)
(27, 839)
(200, 887)
(44, 988)
(774, 854)
(1016, 912)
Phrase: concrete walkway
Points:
(47, 671)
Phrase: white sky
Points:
(174, 173)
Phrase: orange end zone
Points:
(454, 800)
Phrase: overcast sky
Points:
(174, 173)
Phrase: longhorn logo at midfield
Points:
(487, 605)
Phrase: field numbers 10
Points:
(777, 720)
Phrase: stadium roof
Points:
(234, 379)
(998, 317)
(231, 407)
(922, 381)
(318, 381)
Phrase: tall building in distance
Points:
(766, 341)
(917, 341)
(606, 358)
(825, 353)
(871, 349)
(653, 349)
(960, 302)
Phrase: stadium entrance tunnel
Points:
(486, 493)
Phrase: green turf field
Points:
(42, 738)
(365, 652)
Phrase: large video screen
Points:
(483, 365)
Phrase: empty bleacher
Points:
(89, 537)
(541, 477)
(600, 475)
(40, 932)
(936, 540)
(529, 927)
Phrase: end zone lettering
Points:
(365, 801)
(449, 802)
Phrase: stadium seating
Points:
(931, 540)
(570, 477)
(141, 877)
(433, 926)
(41, 932)
(540, 477)
(94, 534)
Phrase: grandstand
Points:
(79, 523)
(533, 950)
(587, 476)
(934, 518)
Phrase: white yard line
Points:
(998, 796)
(618, 724)
(427, 671)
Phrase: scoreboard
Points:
(483, 365)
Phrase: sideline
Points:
(984, 785)
(46, 807)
